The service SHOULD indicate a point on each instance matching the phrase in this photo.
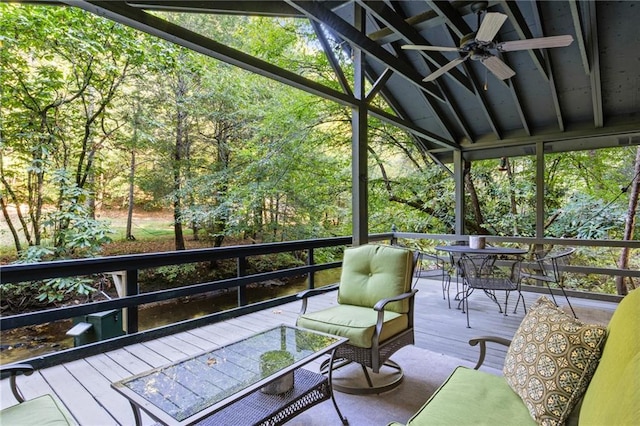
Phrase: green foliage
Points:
(56, 289)
(175, 273)
(73, 234)
(72, 229)
(48, 291)
(275, 262)
(586, 217)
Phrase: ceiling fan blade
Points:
(437, 73)
(535, 43)
(430, 48)
(498, 68)
(490, 26)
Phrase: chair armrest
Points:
(14, 370)
(316, 291)
(313, 292)
(483, 346)
(379, 306)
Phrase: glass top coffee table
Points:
(257, 380)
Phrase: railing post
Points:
(311, 274)
(394, 240)
(132, 289)
(242, 290)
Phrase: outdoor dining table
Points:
(486, 251)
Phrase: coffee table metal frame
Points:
(245, 404)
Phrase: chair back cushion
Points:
(373, 272)
(613, 396)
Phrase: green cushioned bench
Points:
(42, 411)
(612, 397)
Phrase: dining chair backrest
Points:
(475, 266)
(551, 263)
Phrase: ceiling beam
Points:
(348, 32)
(450, 102)
(515, 94)
(423, 21)
(484, 105)
(394, 21)
(577, 25)
(397, 108)
(549, 69)
(435, 107)
(119, 11)
(591, 26)
(331, 56)
(245, 7)
(572, 140)
(451, 17)
(378, 84)
(520, 25)
(412, 128)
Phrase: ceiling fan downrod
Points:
(478, 8)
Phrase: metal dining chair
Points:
(482, 273)
(440, 270)
(549, 268)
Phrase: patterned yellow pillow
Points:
(551, 360)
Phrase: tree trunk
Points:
(8, 198)
(14, 233)
(475, 202)
(181, 123)
(623, 262)
(512, 195)
(132, 174)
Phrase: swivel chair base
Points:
(356, 379)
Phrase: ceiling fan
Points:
(479, 46)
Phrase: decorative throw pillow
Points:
(551, 360)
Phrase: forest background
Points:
(98, 118)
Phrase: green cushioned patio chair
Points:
(374, 310)
(42, 411)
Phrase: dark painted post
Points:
(394, 239)
(359, 126)
(311, 275)
(242, 290)
(458, 177)
(132, 289)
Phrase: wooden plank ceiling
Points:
(583, 96)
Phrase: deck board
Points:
(98, 385)
(84, 385)
(86, 408)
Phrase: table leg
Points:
(333, 399)
(136, 414)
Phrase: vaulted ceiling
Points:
(583, 96)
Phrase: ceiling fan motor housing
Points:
(478, 50)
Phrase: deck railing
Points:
(132, 298)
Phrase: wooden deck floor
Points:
(84, 385)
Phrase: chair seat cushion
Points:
(472, 397)
(356, 323)
(41, 411)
